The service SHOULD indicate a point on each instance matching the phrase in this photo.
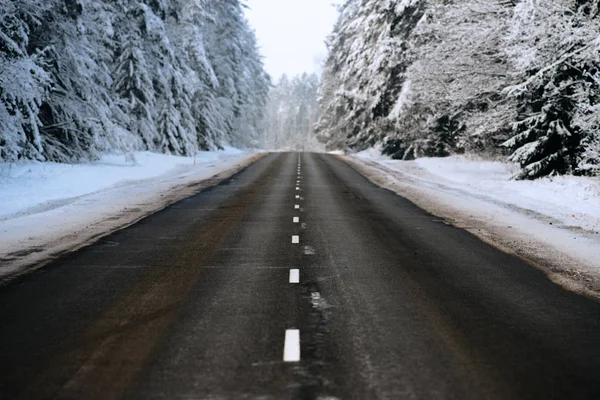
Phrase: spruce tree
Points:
(24, 81)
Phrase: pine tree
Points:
(201, 81)
(439, 77)
(557, 100)
(24, 81)
(82, 77)
(242, 82)
(76, 115)
(292, 113)
(546, 141)
(133, 84)
(365, 71)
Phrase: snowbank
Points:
(552, 222)
(49, 208)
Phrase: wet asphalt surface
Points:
(194, 301)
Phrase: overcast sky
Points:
(291, 33)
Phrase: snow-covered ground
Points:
(552, 222)
(49, 208)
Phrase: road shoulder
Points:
(569, 257)
(31, 241)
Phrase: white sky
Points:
(292, 33)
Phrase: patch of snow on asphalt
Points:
(49, 208)
(553, 222)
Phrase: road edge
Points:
(579, 281)
(119, 221)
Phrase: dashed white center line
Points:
(294, 276)
(296, 220)
(297, 206)
(295, 239)
(297, 196)
(291, 349)
(297, 188)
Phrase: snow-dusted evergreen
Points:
(292, 111)
(24, 79)
(364, 73)
(555, 51)
(437, 77)
(80, 77)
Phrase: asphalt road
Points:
(195, 302)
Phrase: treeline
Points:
(292, 112)
(438, 77)
(79, 77)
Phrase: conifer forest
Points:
(513, 79)
(80, 77)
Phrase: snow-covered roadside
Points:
(47, 209)
(554, 223)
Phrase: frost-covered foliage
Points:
(24, 80)
(292, 112)
(243, 85)
(365, 71)
(79, 77)
(437, 77)
(555, 49)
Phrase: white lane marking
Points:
(297, 206)
(297, 196)
(294, 276)
(296, 220)
(291, 349)
(297, 188)
(295, 239)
